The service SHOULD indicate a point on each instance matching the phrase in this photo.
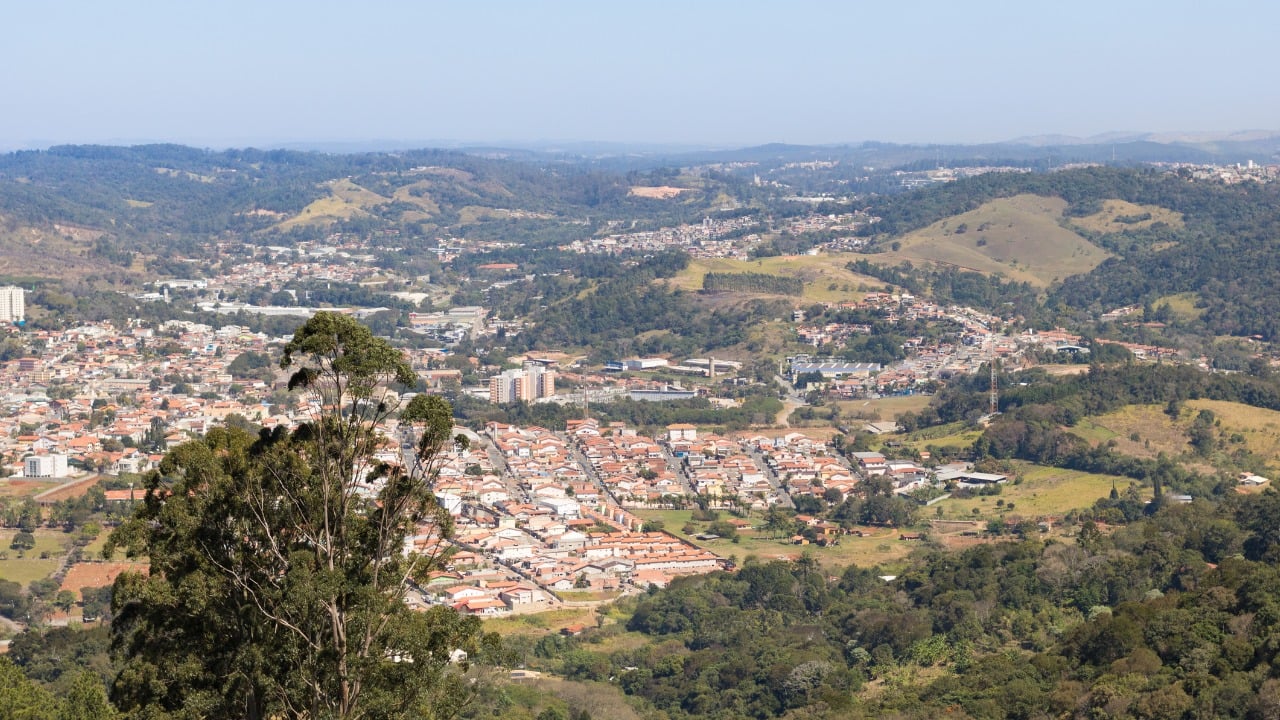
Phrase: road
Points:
(771, 477)
(584, 463)
(792, 393)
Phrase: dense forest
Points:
(635, 313)
(1225, 253)
(1174, 615)
(752, 282)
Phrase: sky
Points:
(712, 73)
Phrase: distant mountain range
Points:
(1129, 146)
(1167, 138)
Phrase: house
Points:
(519, 596)
(871, 463)
(462, 593)
(482, 606)
(682, 431)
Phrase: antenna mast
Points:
(995, 388)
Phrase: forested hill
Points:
(151, 198)
(1082, 188)
(1226, 250)
(1174, 616)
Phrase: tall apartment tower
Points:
(531, 382)
(13, 304)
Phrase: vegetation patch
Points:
(664, 192)
(1138, 430)
(825, 277)
(1257, 429)
(39, 562)
(1120, 216)
(885, 409)
(346, 200)
(1041, 491)
(471, 214)
(1184, 306)
(1019, 237)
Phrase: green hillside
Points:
(825, 277)
(1019, 237)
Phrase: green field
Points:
(94, 549)
(345, 200)
(1020, 238)
(1155, 431)
(881, 547)
(887, 409)
(472, 214)
(416, 194)
(1043, 491)
(819, 273)
(23, 570)
(1182, 305)
(951, 435)
(1108, 220)
(1146, 430)
(538, 624)
(1259, 428)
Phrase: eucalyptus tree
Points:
(279, 564)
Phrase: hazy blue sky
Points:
(718, 73)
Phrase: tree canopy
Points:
(278, 570)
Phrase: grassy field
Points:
(538, 624)
(880, 548)
(94, 549)
(23, 570)
(1156, 432)
(819, 273)
(1020, 238)
(887, 409)
(417, 194)
(1043, 491)
(1146, 430)
(1182, 305)
(1260, 428)
(23, 488)
(345, 200)
(951, 435)
(1105, 221)
(471, 214)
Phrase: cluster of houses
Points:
(963, 350)
(711, 238)
(98, 395)
(804, 466)
(721, 468)
(631, 466)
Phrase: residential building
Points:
(532, 382)
(13, 306)
(45, 466)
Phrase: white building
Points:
(13, 304)
(532, 382)
(45, 466)
(564, 507)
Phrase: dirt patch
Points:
(662, 192)
(22, 488)
(96, 574)
(67, 491)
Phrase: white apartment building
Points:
(45, 466)
(13, 305)
(531, 382)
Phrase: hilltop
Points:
(86, 204)
(1021, 238)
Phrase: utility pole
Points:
(995, 388)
